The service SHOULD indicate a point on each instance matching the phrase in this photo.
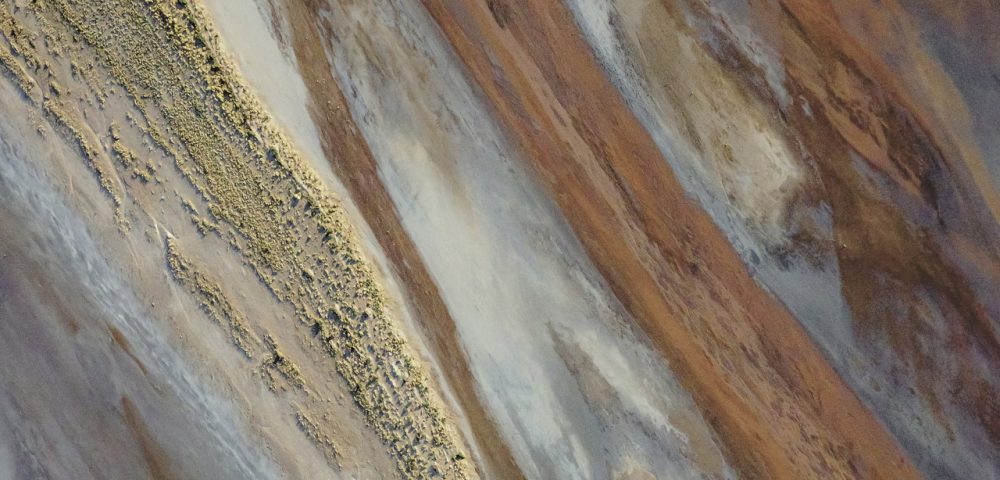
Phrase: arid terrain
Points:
(504, 239)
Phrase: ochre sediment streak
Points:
(766, 388)
(211, 299)
(270, 207)
(279, 363)
(69, 127)
(353, 162)
(319, 438)
(16, 37)
(159, 466)
(14, 69)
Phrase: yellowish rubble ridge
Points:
(261, 198)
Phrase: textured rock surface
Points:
(620, 239)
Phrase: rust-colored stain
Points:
(121, 342)
(777, 405)
(889, 257)
(154, 455)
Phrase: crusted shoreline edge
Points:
(266, 201)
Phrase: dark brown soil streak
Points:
(151, 452)
(778, 407)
